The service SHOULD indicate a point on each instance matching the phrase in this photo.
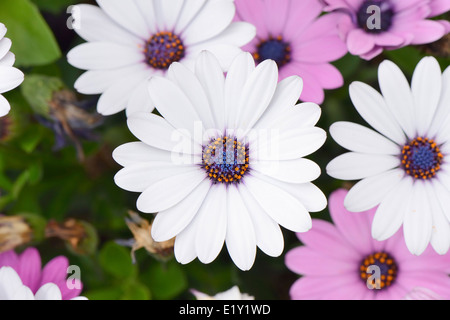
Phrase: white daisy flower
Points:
(405, 168)
(12, 288)
(225, 163)
(10, 77)
(130, 41)
(231, 294)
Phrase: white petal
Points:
(116, 97)
(169, 11)
(97, 81)
(211, 77)
(8, 60)
(169, 223)
(240, 237)
(358, 138)
(138, 177)
(174, 106)
(372, 107)
(417, 223)
(137, 152)
(93, 24)
(392, 210)
(104, 55)
(398, 96)
(4, 106)
(279, 205)
(10, 78)
(443, 195)
(286, 144)
(140, 100)
(369, 192)
(440, 230)
(211, 225)
(257, 94)
(151, 17)
(48, 291)
(238, 74)
(184, 249)
(5, 45)
(293, 171)
(157, 132)
(442, 114)
(269, 237)
(307, 193)
(303, 115)
(23, 293)
(286, 96)
(187, 14)
(10, 283)
(186, 80)
(426, 89)
(355, 166)
(214, 17)
(128, 15)
(167, 192)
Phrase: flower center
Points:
(379, 270)
(421, 158)
(225, 160)
(275, 49)
(163, 49)
(375, 16)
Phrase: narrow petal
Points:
(167, 192)
(240, 237)
(354, 166)
(211, 225)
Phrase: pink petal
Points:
(438, 282)
(328, 76)
(276, 13)
(318, 50)
(439, 7)
(252, 11)
(9, 259)
(359, 42)
(312, 90)
(55, 271)
(307, 261)
(427, 31)
(355, 227)
(315, 288)
(327, 240)
(30, 268)
(326, 25)
(301, 15)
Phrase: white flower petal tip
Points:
(125, 45)
(235, 199)
(403, 171)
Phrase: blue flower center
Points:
(379, 270)
(275, 49)
(163, 49)
(225, 160)
(375, 16)
(421, 158)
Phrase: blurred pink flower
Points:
(400, 23)
(28, 267)
(302, 43)
(334, 261)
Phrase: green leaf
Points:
(116, 260)
(33, 42)
(165, 280)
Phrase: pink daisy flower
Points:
(28, 267)
(291, 33)
(339, 261)
(371, 26)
